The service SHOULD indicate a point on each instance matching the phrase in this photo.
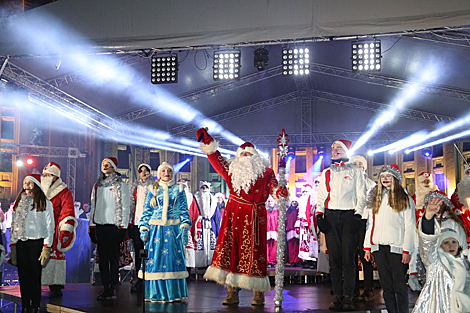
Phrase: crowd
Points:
(341, 218)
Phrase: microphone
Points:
(201, 136)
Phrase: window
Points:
(300, 163)
(466, 146)
(437, 151)
(123, 156)
(441, 181)
(8, 130)
(154, 160)
(379, 159)
(410, 185)
(408, 157)
(5, 163)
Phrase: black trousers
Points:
(341, 242)
(392, 273)
(134, 234)
(109, 238)
(29, 271)
(367, 267)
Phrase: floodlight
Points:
(295, 61)
(165, 70)
(261, 59)
(290, 153)
(226, 65)
(321, 153)
(19, 163)
(427, 152)
(366, 55)
(29, 161)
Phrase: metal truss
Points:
(124, 60)
(375, 106)
(39, 151)
(243, 111)
(455, 38)
(306, 116)
(48, 95)
(299, 140)
(72, 167)
(459, 94)
(205, 92)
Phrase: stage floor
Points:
(203, 297)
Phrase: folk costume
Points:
(461, 200)
(272, 212)
(307, 238)
(32, 237)
(138, 196)
(292, 232)
(189, 250)
(208, 225)
(239, 259)
(164, 228)
(54, 274)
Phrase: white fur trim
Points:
(55, 189)
(51, 169)
(54, 273)
(63, 227)
(247, 149)
(210, 148)
(184, 225)
(66, 227)
(360, 158)
(164, 275)
(272, 234)
(291, 234)
(223, 277)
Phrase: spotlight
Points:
(426, 152)
(321, 153)
(19, 163)
(366, 55)
(290, 153)
(165, 70)
(295, 61)
(226, 65)
(261, 59)
(29, 161)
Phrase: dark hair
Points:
(103, 176)
(39, 199)
(144, 166)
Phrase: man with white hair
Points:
(306, 235)
(208, 224)
(461, 201)
(240, 256)
(341, 200)
(425, 186)
(53, 275)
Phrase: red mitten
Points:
(65, 239)
(203, 136)
(282, 192)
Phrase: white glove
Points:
(414, 283)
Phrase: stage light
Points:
(321, 153)
(19, 163)
(261, 59)
(290, 153)
(427, 152)
(295, 61)
(366, 55)
(29, 161)
(165, 69)
(226, 65)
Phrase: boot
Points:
(258, 299)
(232, 297)
(337, 303)
(348, 304)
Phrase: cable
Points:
(392, 45)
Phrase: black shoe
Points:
(137, 286)
(56, 294)
(348, 304)
(112, 294)
(366, 296)
(104, 294)
(305, 265)
(337, 304)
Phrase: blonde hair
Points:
(398, 199)
(153, 202)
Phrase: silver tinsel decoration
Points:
(112, 180)
(19, 220)
(281, 227)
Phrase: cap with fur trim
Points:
(306, 187)
(204, 183)
(247, 147)
(113, 161)
(344, 143)
(146, 165)
(52, 168)
(393, 170)
(35, 178)
(360, 158)
(466, 171)
(164, 165)
(448, 233)
(423, 176)
(220, 194)
(437, 194)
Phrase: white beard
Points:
(422, 191)
(464, 191)
(245, 171)
(46, 183)
(205, 197)
(303, 201)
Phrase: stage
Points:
(203, 297)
